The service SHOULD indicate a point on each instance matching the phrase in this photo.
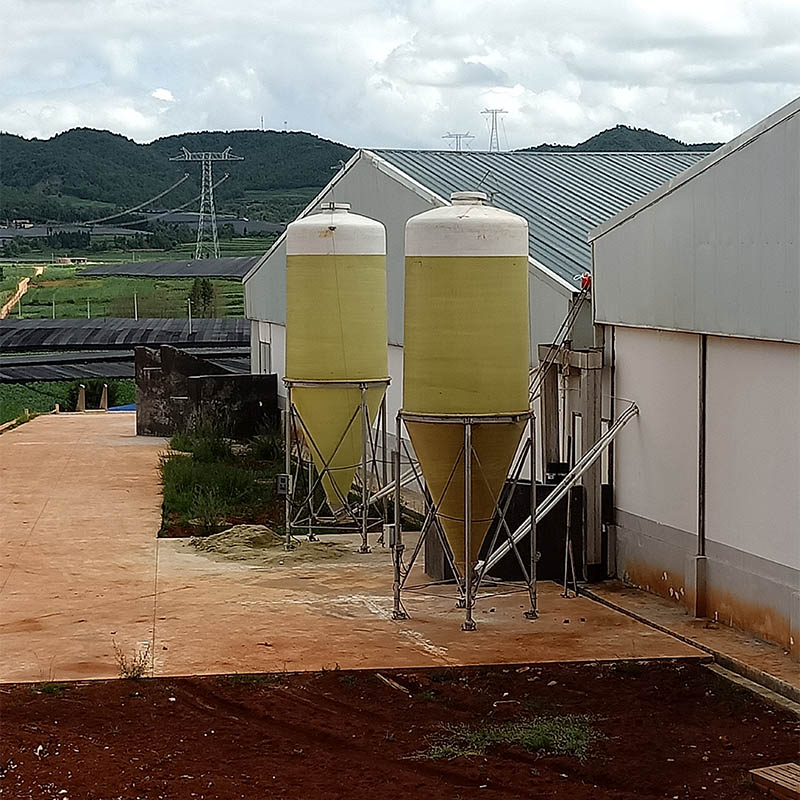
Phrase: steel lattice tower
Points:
(494, 134)
(207, 209)
(459, 139)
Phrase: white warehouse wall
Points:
(656, 454)
(753, 448)
(751, 566)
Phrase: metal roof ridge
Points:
(526, 153)
(734, 145)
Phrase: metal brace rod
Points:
(586, 461)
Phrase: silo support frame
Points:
(468, 585)
(302, 512)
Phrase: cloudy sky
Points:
(397, 72)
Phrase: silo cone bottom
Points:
(439, 448)
(326, 414)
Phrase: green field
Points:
(114, 296)
(41, 397)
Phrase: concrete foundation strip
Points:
(773, 698)
(758, 677)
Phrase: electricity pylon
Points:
(207, 208)
(494, 134)
(458, 138)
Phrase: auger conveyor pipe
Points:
(388, 490)
(574, 475)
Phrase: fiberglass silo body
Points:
(466, 353)
(335, 331)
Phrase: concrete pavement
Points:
(81, 568)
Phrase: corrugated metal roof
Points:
(562, 195)
(233, 268)
(115, 333)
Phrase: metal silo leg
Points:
(469, 599)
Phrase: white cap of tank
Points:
(335, 230)
(467, 227)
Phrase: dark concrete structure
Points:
(174, 389)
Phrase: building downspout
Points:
(700, 562)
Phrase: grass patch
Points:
(443, 675)
(252, 680)
(560, 735)
(208, 480)
(41, 396)
(205, 441)
(191, 486)
(52, 689)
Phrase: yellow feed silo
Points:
(335, 332)
(466, 355)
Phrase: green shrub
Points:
(206, 440)
(209, 508)
(191, 486)
(267, 445)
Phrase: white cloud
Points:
(398, 72)
(163, 94)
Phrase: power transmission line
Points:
(494, 137)
(172, 210)
(141, 205)
(207, 209)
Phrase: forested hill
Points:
(84, 173)
(53, 178)
(622, 139)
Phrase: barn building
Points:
(698, 287)
(562, 195)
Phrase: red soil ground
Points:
(668, 729)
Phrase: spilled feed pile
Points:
(260, 545)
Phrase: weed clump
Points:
(135, 666)
(560, 735)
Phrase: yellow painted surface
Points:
(466, 352)
(466, 347)
(335, 330)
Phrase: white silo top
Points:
(334, 230)
(468, 227)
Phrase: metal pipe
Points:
(534, 612)
(388, 489)
(568, 528)
(365, 435)
(586, 461)
(384, 443)
(397, 539)
(469, 622)
(701, 448)
(287, 443)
